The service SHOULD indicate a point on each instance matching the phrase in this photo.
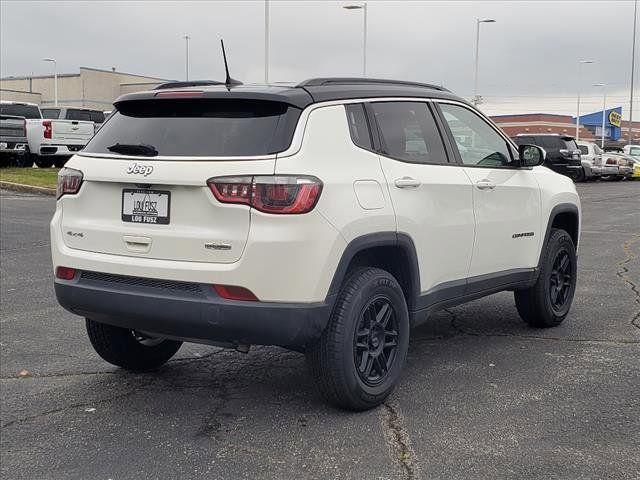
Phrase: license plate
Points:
(145, 206)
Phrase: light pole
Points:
(186, 56)
(55, 79)
(363, 7)
(604, 109)
(633, 64)
(580, 63)
(476, 99)
(266, 42)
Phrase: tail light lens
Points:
(47, 128)
(611, 161)
(65, 273)
(269, 193)
(231, 292)
(69, 181)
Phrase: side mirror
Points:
(531, 155)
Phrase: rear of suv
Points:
(563, 154)
(328, 217)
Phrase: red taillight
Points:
(69, 181)
(611, 161)
(65, 273)
(269, 193)
(47, 128)
(231, 292)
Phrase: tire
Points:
(580, 176)
(355, 376)
(43, 162)
(543, 305)
(120, 347)
(24, 161)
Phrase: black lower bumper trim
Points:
(196, 315)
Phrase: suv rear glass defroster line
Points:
(200, 127)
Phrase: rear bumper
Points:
(62, 150)
(12, 146)
(189, 311)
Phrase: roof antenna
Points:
(229, 82)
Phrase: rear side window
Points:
(96, 116)
(553, 143)
(409, 132)
(75, 114)
(584, 149)
(20, 110)
(51, 113)
(199, 127)
(358, 125)
(570, 144)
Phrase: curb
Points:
(19, 187)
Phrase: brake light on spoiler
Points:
(281, 194)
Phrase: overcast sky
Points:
(528, 58)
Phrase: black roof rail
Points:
(318, 82)
(192, 83)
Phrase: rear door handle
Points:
(407, 182)
(485, 185)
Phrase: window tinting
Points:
(200, 127)
(409, 132)
(358, 126)
(75, 114)
(26, 111)
(96, 116)
(584, 149)
(51, 113)
(478, 143)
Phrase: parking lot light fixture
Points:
(363, 7)
(604, 109)
(476, 99)
(55, 78)
(186, 56)
(580, 63)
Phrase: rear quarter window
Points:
(200, 127)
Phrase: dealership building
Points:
(90, 87)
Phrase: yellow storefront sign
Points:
(615, 118)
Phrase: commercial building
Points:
(540, 123)
(91, 87)
(612, 123)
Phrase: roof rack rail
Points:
(317, 82)
(193, 83)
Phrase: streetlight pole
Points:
(55, 79)
(580, 63)
(604, 110)
(186, 56)
(362, 7)
(633, 60)
(266, 42)
(476, 99)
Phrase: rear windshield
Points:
(26, 111)
(52, 113)
(199, 127)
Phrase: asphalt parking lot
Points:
(482, 396)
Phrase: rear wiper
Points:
(134, 149)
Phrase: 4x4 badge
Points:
(140, 169)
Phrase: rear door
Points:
(506, 198)
(431, 196)
(160, 206)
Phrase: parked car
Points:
(13, 140)
(591, 159)
(328, 218)
(636, 169)
(623, 162)
(563, 154)
(64, 131)
(18, 117)
(633, 150)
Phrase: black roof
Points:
(303, 94)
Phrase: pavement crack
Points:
(461, 331)
(623, 274)
(398, 441)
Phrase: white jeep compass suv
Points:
(328, 217)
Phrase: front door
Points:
(506, 198)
